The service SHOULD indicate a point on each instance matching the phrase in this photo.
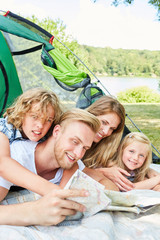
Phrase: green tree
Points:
(123, 62)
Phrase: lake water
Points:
(116, 84)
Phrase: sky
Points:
(98, 24)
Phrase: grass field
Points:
(147, 118)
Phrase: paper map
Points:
(97, 199)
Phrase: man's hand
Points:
(54, 207)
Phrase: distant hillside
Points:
(106, 61)
(121, 62)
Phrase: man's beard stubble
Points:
(61, 156)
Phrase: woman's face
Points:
(109, 123)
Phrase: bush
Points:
(139, 95)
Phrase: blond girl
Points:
(135, 156)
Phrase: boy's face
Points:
(36, 125)
(71, 143)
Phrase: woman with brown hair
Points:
(111, 114)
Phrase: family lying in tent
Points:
(42, 146)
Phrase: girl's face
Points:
(109, 123)
(35, 125)
(134, 155)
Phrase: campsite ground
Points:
(147, 117)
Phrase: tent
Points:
(28, 47)
(10, 85)
(21, 39)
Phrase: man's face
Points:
(71, 143)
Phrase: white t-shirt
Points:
(23, 151)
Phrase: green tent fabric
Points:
(8, 25)
(9, 82)
(53, 61)
(63, 70)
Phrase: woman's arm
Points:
(116, 175)
(99, 177)
(48, 210)
(15, 173)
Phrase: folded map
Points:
(97, 199)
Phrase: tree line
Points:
(122, 62)
(104, 61)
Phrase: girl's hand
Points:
(157, 178)
(157, 188)
(152, 173)
(117, 175)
